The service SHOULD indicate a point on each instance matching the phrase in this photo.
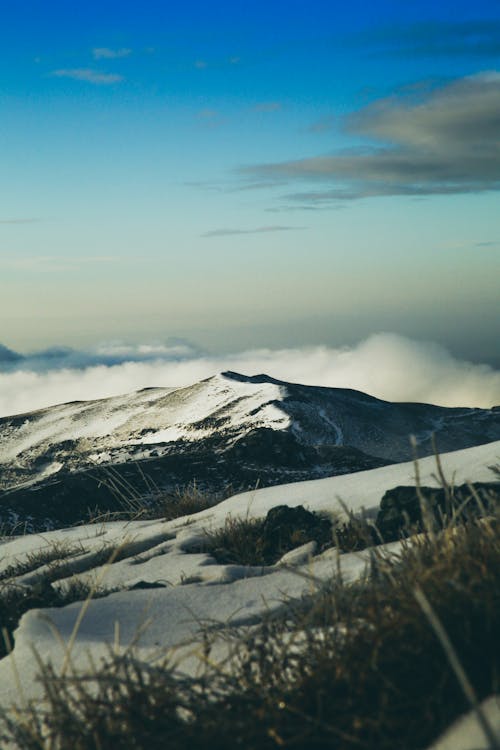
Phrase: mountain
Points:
(229, 430)
(8, 356)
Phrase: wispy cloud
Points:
(241, 188)
(19, 221)
(208, 114)
(257, 230)
(105, 53)
(490, 243)
(216, 62)
(273, 106)
(438, 141)
(287, 207)
(473, 38)
(210, 118)
(231, 186)
(323, 124)
(88, 75)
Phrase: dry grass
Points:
(263, 541)
(238, 542)
(349, 667)
(52, 554)
(16, 597)
(153, 503)
(185, 502)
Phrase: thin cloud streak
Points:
(208, 114)
(105, 53)
(258, 230)
(491, 243)
(467, 39)
(19, 221)
(267, 107)
(323, 125)
(88, 75)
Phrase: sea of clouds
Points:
(385, 365)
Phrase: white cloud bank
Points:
(384, 365)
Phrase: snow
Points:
(467, 734)
(362, 490)
(339, 439)
(169, 434)
(67, 422)
(159, 618)
(172, 615)
(148, 417)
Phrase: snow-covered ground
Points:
(191, 589)
(364, 489)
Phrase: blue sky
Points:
(250, 174)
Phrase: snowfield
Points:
(167, 593)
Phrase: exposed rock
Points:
(286, 528)
(400, 507)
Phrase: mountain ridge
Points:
(229, 429)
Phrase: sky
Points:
(244, 175)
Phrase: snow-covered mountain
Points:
(227, 430)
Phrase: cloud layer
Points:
(438, 141)
(385, 365)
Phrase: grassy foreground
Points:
(356, 666)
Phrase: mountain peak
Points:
(261, 378)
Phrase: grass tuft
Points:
(52, 554)
(185, 502)
(263, 541)
(16, 599)
(155, 503)
(238, 542)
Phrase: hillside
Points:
(229, 431)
